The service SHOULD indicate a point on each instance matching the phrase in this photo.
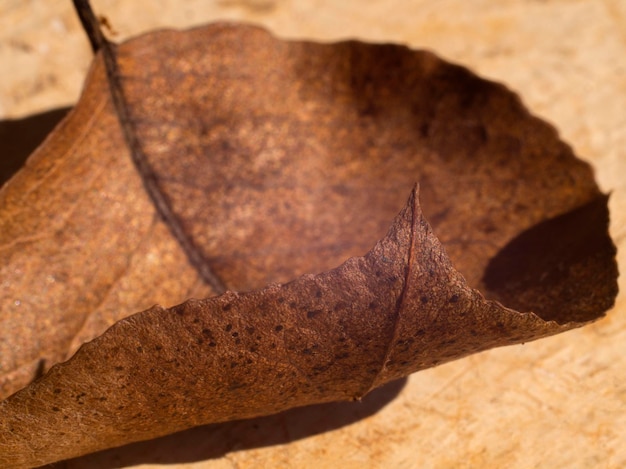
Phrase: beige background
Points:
(558, 402)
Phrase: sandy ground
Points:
(558, 402)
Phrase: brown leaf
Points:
(334, 336)
(280, 159)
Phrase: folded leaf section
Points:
(320, 338)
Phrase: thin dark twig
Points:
(90, 24)
(99, 43)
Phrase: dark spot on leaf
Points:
(454, 298)
(228, 328)
(311, 314)
(236, 385)
(278, 328)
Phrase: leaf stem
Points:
(99, 43)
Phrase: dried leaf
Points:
(334, 336)
(280, 159)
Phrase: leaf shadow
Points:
(541, 268)
(216, 440)
(20, 137)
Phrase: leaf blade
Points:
(222, 359)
